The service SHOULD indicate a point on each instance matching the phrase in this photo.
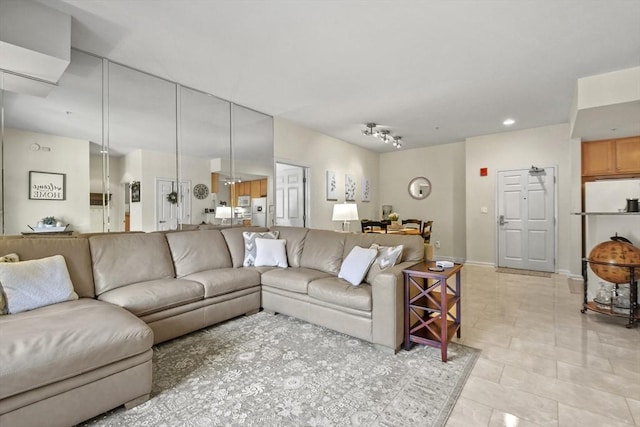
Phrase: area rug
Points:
(523, 272)
(274, 370)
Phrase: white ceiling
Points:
(433, 71)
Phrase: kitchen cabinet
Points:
(611, 157)
(215, 182)
(255, 189)
(263, 187)
(242, 188)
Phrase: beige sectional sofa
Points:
(67, 362)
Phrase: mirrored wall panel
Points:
(142, 144)
(114, 149)
(205, 155)
(47, 145)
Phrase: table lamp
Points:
(223, 212)
(345, 212)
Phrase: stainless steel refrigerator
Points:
(259, 211)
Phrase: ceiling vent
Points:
(35, 46)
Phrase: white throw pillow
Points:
(250, 244)
(271, 253)
(356, 264)
(3, 297)
(388, 256)
(36, 283)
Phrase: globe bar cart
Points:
(634, 273)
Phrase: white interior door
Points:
(526, 219)
(169, 215)
(290, 195)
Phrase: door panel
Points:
(526, 233)
(169, 215)
(290, 199)
(513, 245)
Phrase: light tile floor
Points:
(543, 363)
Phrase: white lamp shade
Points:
(223, 212)
(345, 212)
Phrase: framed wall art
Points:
(332, 186)
(349, 188)
(47, 185)
(366, 189)
(135, 191)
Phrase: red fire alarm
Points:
(483, 171)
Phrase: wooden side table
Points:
(428, 303)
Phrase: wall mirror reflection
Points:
(53, 133)
(419, 188)
(166, 138)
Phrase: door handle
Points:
(162, 222)
(501, 220)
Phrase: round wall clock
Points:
(201, 191)
(419, 188)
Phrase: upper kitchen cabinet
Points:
(611, 157)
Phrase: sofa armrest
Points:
(387, 314)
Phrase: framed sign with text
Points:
(47, 186)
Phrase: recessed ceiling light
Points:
(508, 122)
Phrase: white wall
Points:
(444, 166)
(68, 156)
(542, 147)
(100, 222)
(305, 147)
(146, 167)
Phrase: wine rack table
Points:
(432, 309)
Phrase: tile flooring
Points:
(543, 363)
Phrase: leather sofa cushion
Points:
(74, 250)
(123, 259)
(200, 250)
(235, 242)
(155, 295)
(292, 279)
(295, 237)
(225, 280)
(64, 340)
(342, 293)
(413, 245)
(323, 250)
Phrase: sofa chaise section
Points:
(63, 363)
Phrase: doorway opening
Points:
(526, 225)
(291, 195)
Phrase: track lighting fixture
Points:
(383, 134)
(369, 131)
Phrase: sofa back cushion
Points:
(199, 250)
(323, 250)
(295, 237)
(413, 245)
(235, 242)
(123, 259)
(74, 250)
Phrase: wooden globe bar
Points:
(611, 253)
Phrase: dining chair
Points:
(373, 226)
(426, 231)
(412, 221)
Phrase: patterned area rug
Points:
(523, 272)
(274, 370)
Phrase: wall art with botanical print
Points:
(349, 188)
(366, 189)
(332, 186)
